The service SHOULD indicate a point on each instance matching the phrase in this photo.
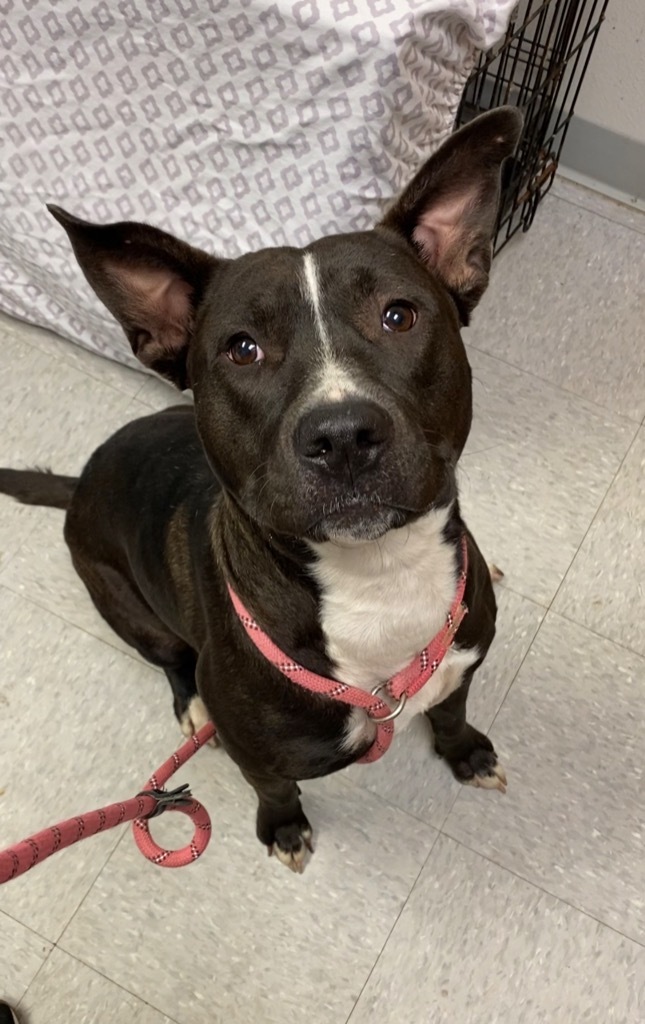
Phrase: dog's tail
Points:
(38, 487)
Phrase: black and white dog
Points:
(315, 475)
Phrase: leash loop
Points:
(23, 856)
(179, 799)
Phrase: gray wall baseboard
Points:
(606, 156)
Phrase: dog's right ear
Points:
(449, 209)
(150, 281)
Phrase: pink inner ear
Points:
(441, 228)
(158, 301)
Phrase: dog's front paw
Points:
(473, 760)
(292, 845)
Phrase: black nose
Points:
(349, 435)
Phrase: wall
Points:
(613, 93)
(606, 139)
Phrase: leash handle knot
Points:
(23, 856)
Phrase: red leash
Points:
(152, 801)
(401, 687)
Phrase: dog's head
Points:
(332, 390)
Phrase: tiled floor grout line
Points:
(601, 636)
(549, 608)
(603, 216)
(357, 787)
(58, 943)
(41, 968)
(391, 930)
(61, 618)
(98, 379)
(505, 585)
(542, 889)
(28, 927)
(95, 970)
(126, 830)
(600, 409)
(519, 669)
(594, 518)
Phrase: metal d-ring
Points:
(393, 714)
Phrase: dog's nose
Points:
(346, 435)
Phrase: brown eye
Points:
(243, 351)
(399, 316)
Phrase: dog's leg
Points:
(189, 707)
(281, 822)
(118, 600)
(469, 753)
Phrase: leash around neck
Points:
(400, 687)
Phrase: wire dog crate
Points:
(539, 67)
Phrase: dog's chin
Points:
(357, 525)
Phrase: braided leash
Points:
(17, 859)
(154, 799)
(400, 687)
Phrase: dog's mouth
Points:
(357, 517)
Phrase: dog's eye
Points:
(399, 316)
(243, 351)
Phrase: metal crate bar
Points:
(539, 67)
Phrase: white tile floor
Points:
(425, 902)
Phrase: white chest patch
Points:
(382, 602)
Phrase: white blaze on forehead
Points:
(333, 381)
(311, 282)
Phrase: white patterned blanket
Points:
(235, 124)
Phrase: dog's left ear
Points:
(448, 211)
(149, 280)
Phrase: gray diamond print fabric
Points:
(235, 124)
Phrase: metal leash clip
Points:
(167, 798)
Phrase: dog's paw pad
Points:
(194, 717)
(292, 847)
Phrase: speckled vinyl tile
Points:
(537, 466)
(237, 937)
(570, 734)
(22, 954)
(476, 945)
(81, 726)
(566, 303)
(66, 990)
(605, 587)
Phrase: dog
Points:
(314, 478)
